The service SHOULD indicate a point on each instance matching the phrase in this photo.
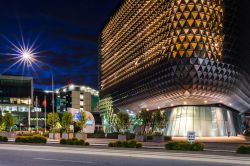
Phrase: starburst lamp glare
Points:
(26, 55)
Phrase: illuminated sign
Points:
(77, 116)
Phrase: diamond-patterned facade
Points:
(165, 53)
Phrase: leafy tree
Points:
(67, 120)
(8, 121)
(158, 120)
(107, 113)
(83, 118)
(1, 119)
(123, 121)
(50, 120)
(116, 123)
(78, 126)
(145, 118)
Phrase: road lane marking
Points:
(71, 161)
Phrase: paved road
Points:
(26, 155)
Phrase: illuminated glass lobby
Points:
(175, 55)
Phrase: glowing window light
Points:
(71, 87)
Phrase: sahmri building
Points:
(180, 56)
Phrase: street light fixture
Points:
(29, 58)
(27, 55)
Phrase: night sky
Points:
(67, 38)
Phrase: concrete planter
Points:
(57, 136)
(67, 135)
(8, 134)
(140, 138)
(158, 139)
(71, 135)
(82, 136)
(122, 137)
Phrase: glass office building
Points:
(16, 96)
(173, 54)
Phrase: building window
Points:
(81, 96)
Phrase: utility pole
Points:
(29, 114)
(53, 106)
(36, 116)
(45, 112)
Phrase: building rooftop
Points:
(72, 87)
(18, 77)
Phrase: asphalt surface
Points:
(29, 155)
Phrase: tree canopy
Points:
(122, 121)
(8, 121)
(50, 120)
(67, 120)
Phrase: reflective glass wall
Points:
(203, 120)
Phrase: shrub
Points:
(197, 146)
(3, 139)
(81, 142)
(22, 139)
(74, 141)
(111, 144)
(244, 149)
(138, 145)
(46, 134)
(31, 139)
(112, 135)
(131, 144)
(125, 144)
(167, 138)
(38, 139)
(184, 145)
(63, 141)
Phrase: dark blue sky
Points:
(67, 32)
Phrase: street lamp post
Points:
(45, 112)
(29, 101)
(28, 57)
(53, 105)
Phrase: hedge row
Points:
(125, 144)
(3, 139)
(73, 141)
(184, 145)
(244, 149)
(31, 139)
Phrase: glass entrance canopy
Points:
(203, 120)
